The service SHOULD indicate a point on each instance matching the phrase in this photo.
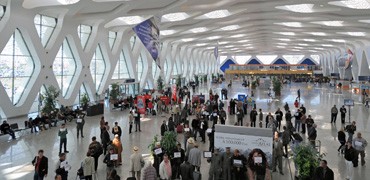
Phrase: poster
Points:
(241, 97)
(165, 99)
(244, 139)
(148, 33)
(174, 92)
(141, 104)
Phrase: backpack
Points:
(80, 171)
(96, 149)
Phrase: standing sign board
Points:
(141, 104)
(241, 97)
(349, 102)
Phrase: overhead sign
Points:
(148, 33)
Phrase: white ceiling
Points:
(259, 24)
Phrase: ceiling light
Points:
(309, 40)
(302, 44)
(327, 45)
(300, 8)
(353, 4)
(242, 41)
(250, 47)
(296, 50)
(237, 36)
(337, 40)
(233, 49)
(223, 42)
(213, 37)
(286, 33)
(290, 24)
(312, 50)
(167, 32)
(198, 30)
(358, 34)
(284, 44)
(130, 20)
(317, 33)
(187, 39)
(230, 28)
(282, 39)
(201, 44)
(217, 14)
(329, 23)
(229, 46)
(172, 17)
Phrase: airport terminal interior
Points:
(92, 56)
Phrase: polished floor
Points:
(16, 156)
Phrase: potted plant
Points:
(169, 141)
(160, 85)
(50, 98)
(84, 101)
(306, 159)
(276, 86)
(152, 145)
(114, 92)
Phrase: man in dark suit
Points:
(186, 170)
(323, 172)
(41, 166)
(253, 117)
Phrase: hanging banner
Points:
(148, 33)
(244, 139)
(141, 104)
(174, 92)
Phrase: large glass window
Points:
(82, 91)
(175, 70)
(16, 66)
(140, 67)
(155, 69)
(121, 71)
(45, 26)
(64, 67)
(165, 68)
(293, 59)
(84, 33)
(2, 12)
(112, 38)
(222, 59)
(242, 59)
(97, 67)
(266, 59)
(316, 58)
(132, 42)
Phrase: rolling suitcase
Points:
(179, 128)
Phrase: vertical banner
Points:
(174, 92)
(141, 104)
(148, 33)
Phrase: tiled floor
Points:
(16, 156)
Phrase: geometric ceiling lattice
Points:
(16, 66)
(45, 26)
(84, 33)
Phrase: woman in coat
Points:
(118, 146)
(136, 160)
(88, 165)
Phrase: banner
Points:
(244, 139)
(141, 104)
(165, 99)
(241, 97)
(174, 92)
(148, 33)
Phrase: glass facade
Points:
(112, 36)
(16, 66)
(140, 67)
(64, 67)
(121, 70)
(45, 26)
(97, 67)
(84, 33)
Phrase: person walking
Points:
(359, 144)
(41, 166)
(165, 169)
(286, 140)
(226, 161)
(149, 172)
(177, 160)
(62, 133)
(277, 155)
(102, 124)
(342, 140)
(334, 113)
(62, 167)
(130, 122)
(137, 119)
(312, 134)
(238, 164)
(279, 117)
(88, 166)
(136, 160)
(323, 172)
(253, 116)
(343, 112)
(118, 147)
(158, 153)
(110, 162)
(222, 116)
(95, 149)
(113, 175)
(203, 129)
(195, 124)
(260, 117)
(303, 123)
(105, 140)
(297, 122)
(186, 170)
(116, 130)
(195, 156)
(215, 168)
(268, 118)
(240, 116)
(286, 107)
(349, 156)
(351, 130)
(80, 126)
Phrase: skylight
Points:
(67, 2)
(130, 20)
(301, 44)
(290, 24)
(353, 4)
(300, 8)
(213, 37)
(167, 32)
(327, 45)
(247, 45)
(309, 40)
(315, 57)
(243, 41)
(210, 47)
(223, 42)
(242, 59)
(217, 14)
(229, 46)
(317, 33)
(293, 59)
(172, 17)
(282, 39)
(237, 36)
(280, 46)
(364, 21)
(286, 33)
(266, 59)
(312, 50)
(319, 48)
(198, 30)
(230, 28)
(298, 47)
(358, 34)
(201, 44)
(329, 23)
(187, 39)
(337, 40)
(284, 44)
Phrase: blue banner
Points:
(241, 97)
(148, 33)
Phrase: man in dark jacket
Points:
(105, 140)
(41, 166)
(279, 117)
(179, 157)
(186, 170)
(312, 134)
(195, 124)
(80, 126)
(96, 149)
(323, 172)
(5, 128)
(240, 116)
(164, 128)
(253, 117)
(349, 155)
(117, 130)
(343, 112)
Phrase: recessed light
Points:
(198, 30)
(329, 23)
(290, 24)
(337, 40)
(246, 45)
(284, 44)
(300, 8)
(319, 48)
(243, 41)
(213, 37)
(201, 44)
(172, 17)
(216, 14)
(167, 32)
(353, 4)
(230, 28)
(130, 20)
(301, 44)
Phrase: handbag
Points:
(142, 163)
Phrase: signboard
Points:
(334, 74)
(244, 139)
(129, 80)
(363, 86)
(349, 102)
(241, 97)
(141, 104)
(364, 78)
(165, 99)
